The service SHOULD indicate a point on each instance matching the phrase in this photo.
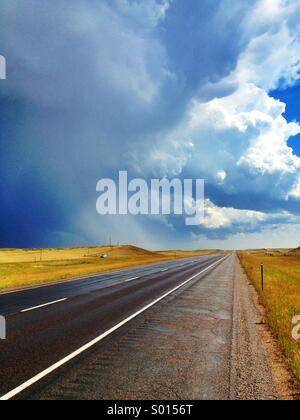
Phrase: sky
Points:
(161, 88)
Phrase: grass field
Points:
(22, 268)
(281, 296)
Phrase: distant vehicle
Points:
(103, 256)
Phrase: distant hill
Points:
(294, 252)
(124, 252)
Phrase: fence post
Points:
(262, 277)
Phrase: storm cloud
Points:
(158, 88)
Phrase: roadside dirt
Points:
(259, 371)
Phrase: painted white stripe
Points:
(42, 306)
(134, 278)
(92, 343)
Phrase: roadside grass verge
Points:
(281, 297)
(24, 268)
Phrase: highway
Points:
(51, 327)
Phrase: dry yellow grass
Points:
(22, 268)
(281, 296)
(188, 254)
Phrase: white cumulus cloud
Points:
(228, 217)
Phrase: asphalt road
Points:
(51, 327)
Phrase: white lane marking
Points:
(92, 343)
(42, 306)
(134, 278)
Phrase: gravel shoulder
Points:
(259, 371)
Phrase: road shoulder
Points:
(259, 371)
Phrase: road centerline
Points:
(134, 278)
(43, 306)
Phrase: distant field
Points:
(21, 268)
(281, 295)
